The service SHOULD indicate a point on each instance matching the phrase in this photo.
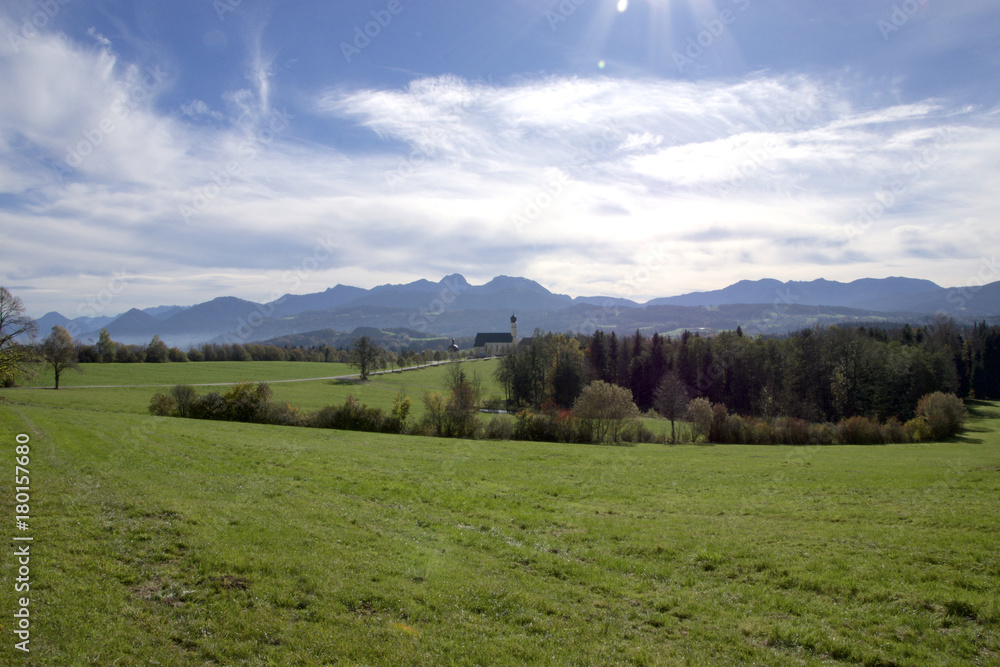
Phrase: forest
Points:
(817, 374)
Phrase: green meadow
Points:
(162, 541)
(128, 387)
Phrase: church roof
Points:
(483, 338)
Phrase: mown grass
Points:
(379, 391)
(187, 373)
(180, 542)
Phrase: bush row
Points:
(938, 416)
(252, 403)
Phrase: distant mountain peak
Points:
(456, 280)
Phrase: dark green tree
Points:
(105, 347)
(671, 399)
(157, 351)
(364, 356)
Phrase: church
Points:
(496, 344)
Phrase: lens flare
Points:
(622, 5)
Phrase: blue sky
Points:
(170, 152)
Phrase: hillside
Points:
(455, 307)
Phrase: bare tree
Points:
(15, 327)
(60, 353)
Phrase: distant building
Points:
(496, 344)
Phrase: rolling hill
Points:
(454, 307)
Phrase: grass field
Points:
(96, 386)
(176, 542)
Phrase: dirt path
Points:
(353, 376)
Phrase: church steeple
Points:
(513, 328)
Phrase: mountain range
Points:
(454, 307)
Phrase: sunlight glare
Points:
(622, 6)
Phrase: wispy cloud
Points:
(720, 174)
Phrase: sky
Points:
(159, 153)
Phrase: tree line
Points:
(602, 413)
(105, 350)
(818, 375)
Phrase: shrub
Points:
(499, 428)
(248, 402)
(434, 416)
(699, 413)
(916, 430)
(284, 414)
(184, 396)
(324, 417)
(355, 416)
(759, 432)
(209, 406)
(944, 413)
(859, 431)
(822, 434)
(729, 429)
(893, 431)
(528, 426)
(717, 431)
(161, 405)
(401, 404)
(790, 431)
(637, 432)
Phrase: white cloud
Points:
(602, 172)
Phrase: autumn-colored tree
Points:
(608, 408)
(59, 352)
(700, 414)
(944, 414)
(15, 326)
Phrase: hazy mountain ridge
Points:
(454, 307)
